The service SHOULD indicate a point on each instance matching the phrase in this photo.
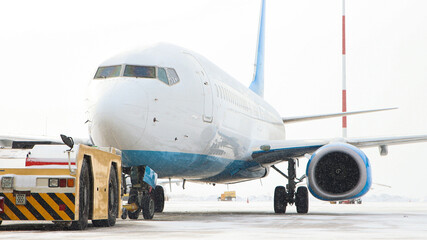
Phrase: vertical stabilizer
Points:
(257, 84)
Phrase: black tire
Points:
(148, 207)
(159, 199)
(113, 202)
(124, 213)
(1, 222)
(133, 198)
(84, 199)
(135, 214)
(280, 199)
(301, 200)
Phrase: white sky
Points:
(49, 50)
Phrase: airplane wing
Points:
(277, 151)
(27, 141)
(385, 141)
(287, 120)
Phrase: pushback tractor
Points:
(72, 186)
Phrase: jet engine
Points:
(338, 171)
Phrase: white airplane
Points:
(173, 110)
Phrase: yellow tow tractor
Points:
(66, 186)
(70, 185)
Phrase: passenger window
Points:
(172, 76)
(162, 75)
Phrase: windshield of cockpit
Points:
(165, 75)
(108, 72)
(139, 71)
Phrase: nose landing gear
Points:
(144, 195)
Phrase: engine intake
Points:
(338, 171)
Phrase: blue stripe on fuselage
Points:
(184, 165)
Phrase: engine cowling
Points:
(338, 171)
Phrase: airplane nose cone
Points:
(119, 116)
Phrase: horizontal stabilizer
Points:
(331, 115)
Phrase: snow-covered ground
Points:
(253, 220)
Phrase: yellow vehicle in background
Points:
(227, 196)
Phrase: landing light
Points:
(265, 148)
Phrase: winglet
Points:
(257, 84)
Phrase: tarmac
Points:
(254, 220)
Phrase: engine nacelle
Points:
(338, 171)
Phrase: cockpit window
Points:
(140, 71)
(172, 76)
(166, 75)
(108, 72)
(162, 75)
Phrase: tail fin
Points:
(257, 84)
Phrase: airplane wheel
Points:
(135, 214)
(133, 196)
(147, 207)
(280, 199)
(113, 202)
(84, 200)
(159, 199)
(124, 213)
(301, 200)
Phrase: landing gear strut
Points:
(287, 195)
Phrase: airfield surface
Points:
(254, 220)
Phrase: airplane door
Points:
(207, 92)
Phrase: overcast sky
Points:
(49, 51)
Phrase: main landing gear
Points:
(287, 195)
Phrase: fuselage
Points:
(188, 120)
